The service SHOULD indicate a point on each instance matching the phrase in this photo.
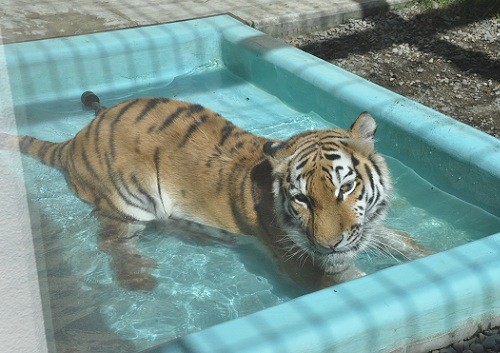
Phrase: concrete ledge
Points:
(314, 17)
(23, 20)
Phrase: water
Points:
(201, 282)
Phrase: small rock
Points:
(497, 336)
(477, 348)
(459, 346)
(489, 342)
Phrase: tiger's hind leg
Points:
(118, 238)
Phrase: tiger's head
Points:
(331, 189)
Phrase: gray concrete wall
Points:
(22, 327)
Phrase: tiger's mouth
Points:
(347, 245)
(333, 252)
(348, 249)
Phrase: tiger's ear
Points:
(271, 148)
(364, 127)
(275, 152)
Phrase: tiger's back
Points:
(157, 158)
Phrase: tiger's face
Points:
(331, 188)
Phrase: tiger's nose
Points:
(327, 247)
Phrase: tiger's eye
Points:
(301, 198)
(347, 187)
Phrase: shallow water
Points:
(201, 282)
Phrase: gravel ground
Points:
(446, 61)
(485, 341)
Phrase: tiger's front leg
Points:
(118, 239)
(400, 243)
(331, 277)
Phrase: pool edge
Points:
(353, 322)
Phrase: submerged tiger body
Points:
(319, 195)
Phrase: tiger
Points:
(316, 199)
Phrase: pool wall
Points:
(22, 324)
(411, 307)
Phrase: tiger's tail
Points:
(49, 153)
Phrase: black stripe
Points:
(334, 136)
(115, 121)
(377, 197)
(171, 118)
(301, 164)
(192, 128)
(337, 172)
(112, 178)
(97, 132)
(237, 147)
(226, 132)
(372, 186)
(377, 169)
(42, 151)
(124, 183)
(332, 157)
(355, 161)
(53, 155)
(370, 177)
(220, 180)
(381, 207)
(74, 173)
(157, 166)
(121, 215)
(326, 170)
(328, 148)
(25, 143)
(60, 149)
(150, 198)
(195, 108)
(151, 104)
(362, 194)
(88, 166)
(72, 148)
(306, 150)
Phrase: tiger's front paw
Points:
(348, 274)
(138, 281)
(132, 272)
